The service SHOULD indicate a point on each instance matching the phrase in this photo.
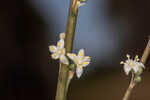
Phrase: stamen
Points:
(128, 56)
(136, 56)
(138, 59)
(121, 62)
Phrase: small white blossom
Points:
(131, 64)
(80, 60)
(58, 52)
(62, 35)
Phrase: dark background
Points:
(107, 29)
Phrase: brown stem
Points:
(129, 90)
(146, 52)
(62, 86)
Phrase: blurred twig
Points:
(129, 90)
(146, 52)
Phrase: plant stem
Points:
(129, 90)
(146, 52)
(132, 82)
(62, 86)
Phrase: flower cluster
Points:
(132, 65)
(59, 52)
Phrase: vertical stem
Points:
(71, 25)
(62, 86)
(143, 60)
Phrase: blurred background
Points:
(106, 29)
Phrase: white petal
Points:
(87, 59)
(74, 58)
(141, 65)
(52, 48)
(71, 56)
(81, 53)
(79, 72)
(60, 44)
(62, 36)
(64, 60)
(127, 69)
(55, 56)
(135, 68)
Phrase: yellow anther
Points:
(136, 56)
(86, 63)
(51, 48)
(63, 51)
(73, 55)
(81, 54)
(59, 44)
(87, 57)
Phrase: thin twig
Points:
(132, 82)
(129, 90)
(146, 52)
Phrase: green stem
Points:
(62, 86)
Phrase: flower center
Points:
(132, 63)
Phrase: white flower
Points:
(58, 52)
(80, 60)
(130, 64)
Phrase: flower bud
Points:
(138, 79)
(140, 71)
